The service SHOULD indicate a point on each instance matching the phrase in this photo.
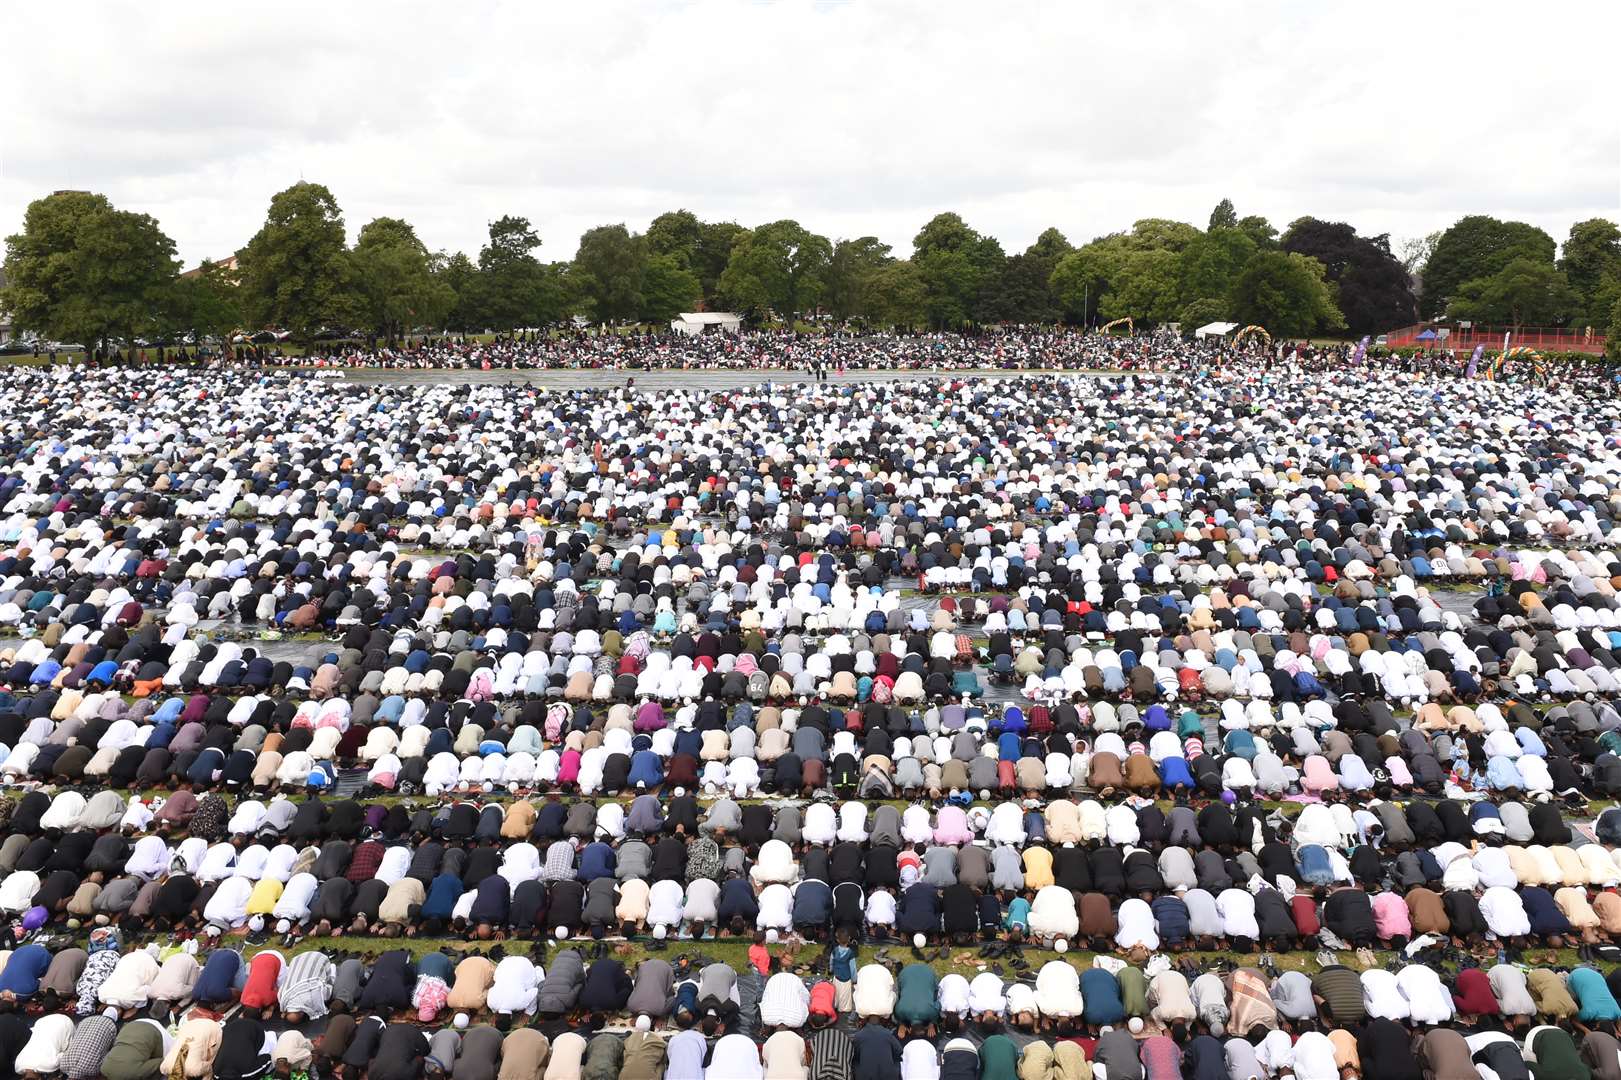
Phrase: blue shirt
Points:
(24, 969)
(1100, 995)
(218, 977)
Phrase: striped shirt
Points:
(830, 1054)
(306, 984)
(1341, 989)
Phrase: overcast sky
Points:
(855, 118)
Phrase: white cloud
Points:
(853, 117)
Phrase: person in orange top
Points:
(759, 957)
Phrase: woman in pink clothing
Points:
(1318, 777)
(1391, 920)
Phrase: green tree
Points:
(780, 266)
(395, 280)
(1080, 279)
(1144, 288)
(1223, 216)
(1260, 230)
(566, 291)
(295, 271)
(668, 288)
(901, 296)
(1287, 294)
(956, 263)
(1477, 247)
(1022, 291)
(1202, 312)
(1210, 263)
(852, 275)
(1612, 337)
(1051, 245)
(1525, 292)
(458, 274)
(1591, 261)
(511, 288)
(678, 234)
(1161, 234)
(84, 272)
(512, 240)
(1596, 310)
(206, 303)
(613, 262)
(716, 239)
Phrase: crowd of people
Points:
(1040, 727)
(822, 351)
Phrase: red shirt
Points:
(1304, 911)
(260, 989)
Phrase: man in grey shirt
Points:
(635, 860)
(940, 866)
(724, 816)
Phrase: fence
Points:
(1553, 339)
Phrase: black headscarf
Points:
(245, 1050)
(13, 1037)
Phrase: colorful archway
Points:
(1252, 331)
(1496, 369)
(1108, 328)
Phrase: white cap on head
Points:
(284, 926)
(919, 940)
(660, 931)
(771, 935)
(562, 933)
(461, 1021)
(644, 1023)
(1060, 945)
(680, 791)
(1135, 1024)
(256, 923)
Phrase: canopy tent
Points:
(699, 322)
(1216, 329)
(1428, 335)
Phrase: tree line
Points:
(82, 270)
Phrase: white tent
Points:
(1218, 329)
(698, 322)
